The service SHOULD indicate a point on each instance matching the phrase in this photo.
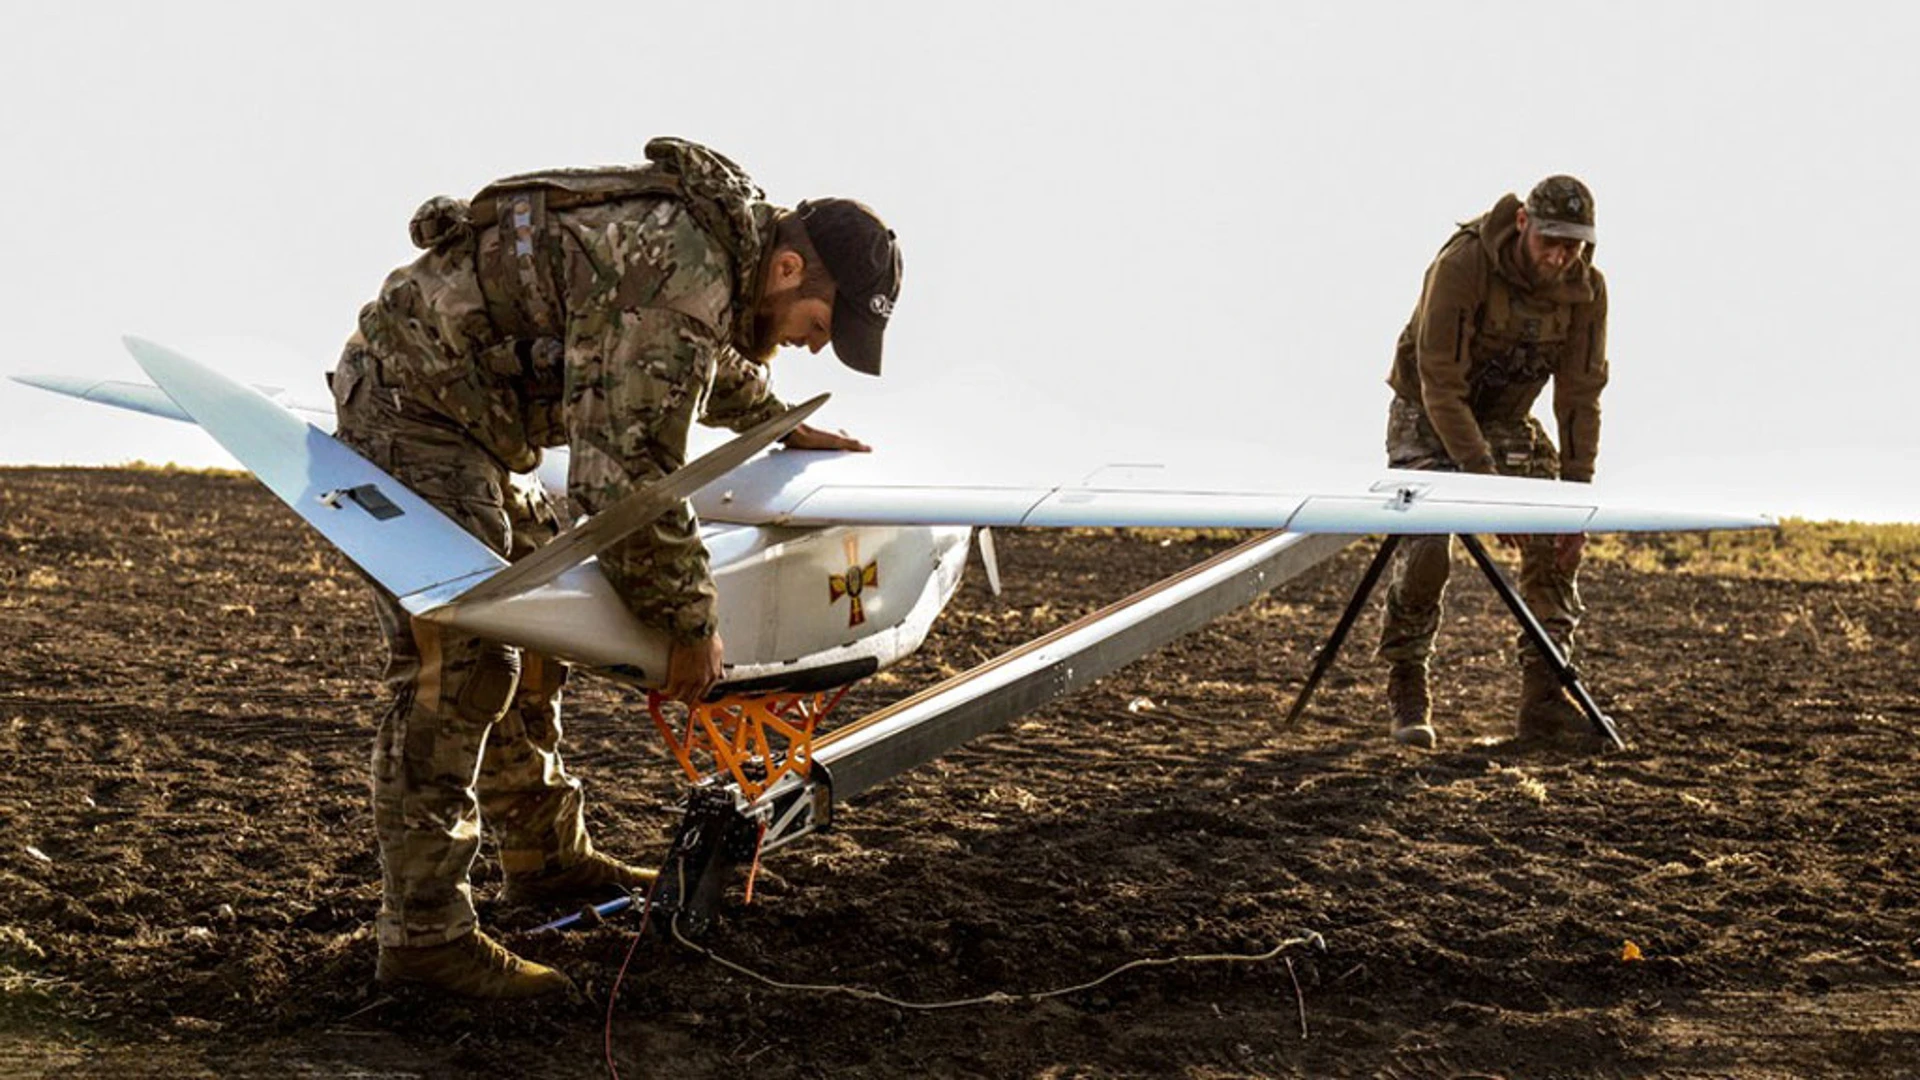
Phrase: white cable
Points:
(998, 997)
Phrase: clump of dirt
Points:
(187, 873)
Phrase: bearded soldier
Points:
(606, 311)
(1512, 302)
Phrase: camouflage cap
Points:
(1561, 206)
(864, 259)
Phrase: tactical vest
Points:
(517, 257)
(1518, 343)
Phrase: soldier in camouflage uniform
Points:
(1512, 301)
(606, 311)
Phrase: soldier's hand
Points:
(1566, 551)
(693, 667)
(808, 437)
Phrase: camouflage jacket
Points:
(623, 326)
(1483, 342)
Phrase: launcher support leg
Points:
(1557, 663)
(714, 839)
(719, 834)
(1329, 651)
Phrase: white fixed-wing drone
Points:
(830, 567)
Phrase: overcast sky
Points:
(1144, 230)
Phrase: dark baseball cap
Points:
(864, 259)
(1561, 206)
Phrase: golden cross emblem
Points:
(850, 584)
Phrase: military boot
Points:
(593, 877)
(1410, 705)
(474, 966)
(1547, 713)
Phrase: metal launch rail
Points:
(723, 829)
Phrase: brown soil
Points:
(187, 874)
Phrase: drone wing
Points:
(808, 488)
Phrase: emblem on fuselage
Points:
(852, 583)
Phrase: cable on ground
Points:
(998, 997)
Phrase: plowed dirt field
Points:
(188, 681)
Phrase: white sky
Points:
(1145, 230)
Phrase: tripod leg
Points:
(1569, 678)
(1324, 661)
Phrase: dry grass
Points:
(168, 469)
(1796, 551)
(1799, 550)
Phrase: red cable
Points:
(646, 912)
(753, 873)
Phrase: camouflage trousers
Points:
(1417, 588)
(471, 732)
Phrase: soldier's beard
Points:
(1538, 272)
(761, 349)
(767, 316)
(763, 346)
